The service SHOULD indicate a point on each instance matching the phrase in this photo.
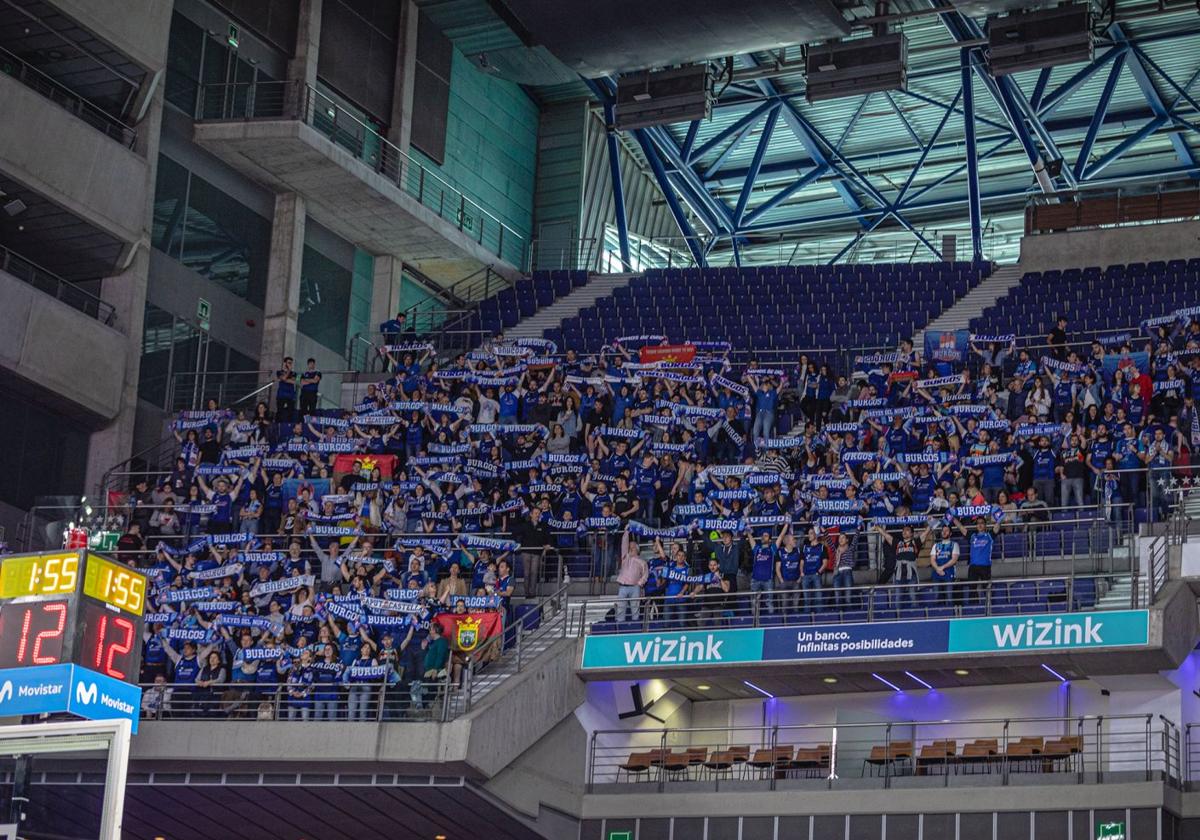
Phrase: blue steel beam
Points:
(812, 147)
(853, 121)
(784, 194)
(958, 170)
(618, 189)
(1154, 99)
(1089, 139)
(764, 140)
(904, 120)
(1113, 154)
(1039, 88)
(738, 126)
(690, 139)
(929, 100)
(714, 167)
(925, 149)
(668, 191)
(1060, 94)
(974, 204)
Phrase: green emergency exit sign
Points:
(1110, 831)
(620, 835)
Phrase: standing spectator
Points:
(209, 681)
(1045, 466)
(285, 393)
(1158, 457)
(300, 688)
(762, 569)
(1072, 471)
(631, 577)
(310, 384)
(787, 570)
(766, 399)
(1057, 339)
(979, 564)
(728, 554)
(843, 572)
(534, 536)
(942, 560)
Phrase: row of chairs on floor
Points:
(1032, 754)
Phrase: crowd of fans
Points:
(316, 549)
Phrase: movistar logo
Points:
(85, 693)
(1056, 633)
(669, 650)
(6, 691)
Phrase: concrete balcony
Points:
(52, 326)
(353, 181)
(88, 173)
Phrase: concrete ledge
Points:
(44, 342)
(137, 28)
(939, 800)
(348, 196)
(1110, 246)
(77, 167)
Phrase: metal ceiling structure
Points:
(771, 178)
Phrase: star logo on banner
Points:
(1172, 483)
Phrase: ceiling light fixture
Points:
(961, 672)
(889, 684)
(1052, 672)
(829, 680)
(761, 691)
(703, 687)
(913, 676)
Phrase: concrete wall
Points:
(45, 342)
(1110, 246)
(81, 170)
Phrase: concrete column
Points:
(113, 444)
(281, 310)
(400, 125)
(302, 67)
(385, 289)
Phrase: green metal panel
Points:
(491, 144)
(360, 293)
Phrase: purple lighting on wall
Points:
(1052, 672)
(761, 691)
(913, 676)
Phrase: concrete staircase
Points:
(972, 304)
(1118, 594)
(532, 644)
(598, 286)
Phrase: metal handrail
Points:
(293, 100)
(1134, 745)
(57, 92)
(64, 290)
(857, 604)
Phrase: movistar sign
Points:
(67, 688)
(876, 640)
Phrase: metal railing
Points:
(95, 116)
(572, 254)
(239, 389)
(53, 285)
(376, 701)
(826, 604)
(967, 753)
(291, 100)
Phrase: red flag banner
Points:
(468, 631)
(362, 464)
(667, 353)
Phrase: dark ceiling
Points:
(624, 35)
(56, 240)
(70, 55)
(295, 812)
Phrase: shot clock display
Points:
(75, 607)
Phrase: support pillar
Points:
(973, 198)
(112, 445)
(302, 67)
(385, 290)
(400, 125)
(281, 310)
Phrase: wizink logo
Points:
(673, 650)
(1056, 633)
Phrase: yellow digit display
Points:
(39, 574)
(114, 584)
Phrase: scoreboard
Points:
(71, 607)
